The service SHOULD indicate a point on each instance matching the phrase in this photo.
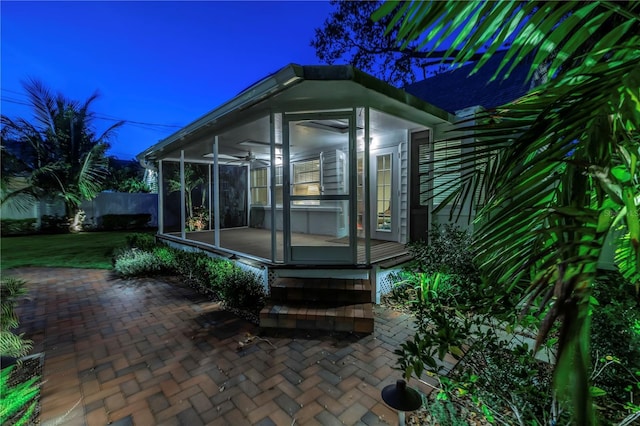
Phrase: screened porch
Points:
(306, 167)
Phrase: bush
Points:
(220, 279)
(448, 256)
(449, 252)
(185, 265)
(17, 402)
(443, 413)
(497, 376)
(18, 397)
(54, 224)
(242, 289)
(137, 263)
(166, 257)
(11, 345)
(455, 310)
(615, 342)
(142, 241)
(112, 222)
(217, 272)
(18, 226)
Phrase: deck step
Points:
(313, 316)
(344, 291)
(319, 304)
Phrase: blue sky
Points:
(163, 63)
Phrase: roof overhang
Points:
(299, 87)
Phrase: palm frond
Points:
(564, 156)
(557, 33)
(43, 101)
(93, 172)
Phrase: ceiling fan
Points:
(250, 158)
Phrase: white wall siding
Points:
(404, 189)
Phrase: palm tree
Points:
(558, 167)
(193, 179)
(59, 155)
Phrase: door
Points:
(384, 194)
(317, 165)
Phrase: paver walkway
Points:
(146, 352)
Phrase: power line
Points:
(105, 117)
(97, 115)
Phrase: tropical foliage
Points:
(126, 176)
(554, 172)
(11, 344)
(220, 279)
(194, 182)
(350, 35)
(499, 376)
(18, 402)
(58, 154)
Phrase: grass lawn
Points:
(84, 250)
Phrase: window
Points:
(259, 187)
(306, 180)
(383, 188)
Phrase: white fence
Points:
(105, 203)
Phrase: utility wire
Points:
(97, 115)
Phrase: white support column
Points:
(272, 186)
(216, 194)
(210, 207)
(160, 198)
(352, 174)
(367, 192)
(183, 208)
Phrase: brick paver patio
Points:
(145, 352)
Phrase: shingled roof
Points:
(456, 90)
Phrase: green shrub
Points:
(142, 241)
(220, 279)
(496, 375)
(17, 403)
(443, 413)
(166, 258)
(449, 251)
(18, 226)
(112, 222)
(54, 224)
(217, 273)
(615, 342)
(136, 263)
(185, 262)
(11, 344)
(242, 289)
(450, 256)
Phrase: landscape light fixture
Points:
(402, 398)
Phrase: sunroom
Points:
(313, 166)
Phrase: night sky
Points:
(163, 64)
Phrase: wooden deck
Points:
(257, 244)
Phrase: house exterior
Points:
(313, 172)
(307, 151)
